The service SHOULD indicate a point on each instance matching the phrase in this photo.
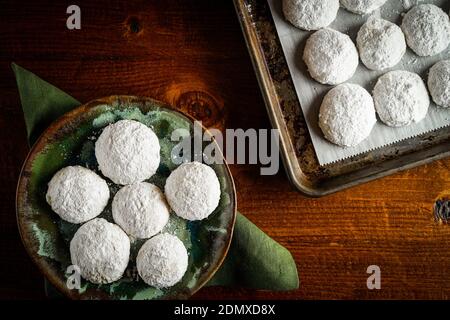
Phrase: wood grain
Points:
(192, 54)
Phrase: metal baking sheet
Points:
(310, 93)
(285, 113)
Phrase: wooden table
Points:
(192, 55)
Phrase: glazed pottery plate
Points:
(70, 140)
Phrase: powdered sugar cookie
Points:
(127, 152)
(310, 14)
(101, 250)
(77, 194)
(427, 29)
(439, 83)
(162, 261)
(381, 44)
(362, 6)
(331, 56)
(193, 191)
(347, 115)
(140, 209)
(401, 98)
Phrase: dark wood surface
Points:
(192, 54)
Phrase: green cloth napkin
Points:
(254, 259)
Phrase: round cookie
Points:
(101, 250)
(140, 209)
(193, 191)
(162, 261)
(310, 14)
(362, 6)
(331, 56)
(439, 83)
(77, 194)
(381, 44)
(427, 29)
(347, 115)
(127, 152)
(401, 98)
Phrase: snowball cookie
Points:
(77, 194)
(127, 152)
(101, 250)
(331, 56)
(140, 209)
(193, 191)
(401, 98)
(162, 261)
(427, 29)
(362, 6)
(347, 115)
(310, 14)
(439, 83)
(381, 44)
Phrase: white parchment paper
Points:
(310, 93)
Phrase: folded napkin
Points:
(254, 259)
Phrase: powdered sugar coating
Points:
(381, 44)
(401, 98)
(101, 250)
(310, 14)
(439, 83)
(193, 191)
(77, 194)
(127, 152)
(140, 209)
(331, 56)
(362, 6)
(162, 261)
(427, 29)
(347, 115)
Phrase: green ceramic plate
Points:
(70, 141)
